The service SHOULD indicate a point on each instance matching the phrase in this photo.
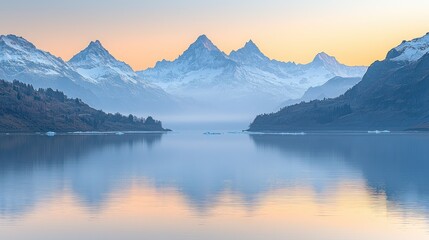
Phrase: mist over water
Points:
(343, 186)
(214, 114)
(208, 122)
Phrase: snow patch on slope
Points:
(413, 50)
(19, 55)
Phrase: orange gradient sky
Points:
(141, 32)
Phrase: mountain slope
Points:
(245, 80)
(116, 83)
(21, 60)
(331, 89)
(331, 65)
(24, 109)
(393, 95)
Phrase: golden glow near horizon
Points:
(143, 32)
(344, 213)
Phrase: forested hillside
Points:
(24, 109)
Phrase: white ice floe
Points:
(378, 132)
(50, 134)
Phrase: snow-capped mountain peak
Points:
(202, 53)
(97, 65)
(324, 59)
(96, 46)
(251, 46)
(96, 43)
(410, 51)
(249, 54)
(202, 46)
(16, 42)
(204, 42)
(95, 52)
(329, 63)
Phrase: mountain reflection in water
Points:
(236, 170)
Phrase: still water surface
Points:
(229, 186)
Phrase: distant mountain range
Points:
(245, 77)
(393, 95)
(203, 77)
(24, 109)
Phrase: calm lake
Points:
(188, 185)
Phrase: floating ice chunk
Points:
(279, 133)
(293, 133)
(212, 133)
(378, 132)
(50, 134)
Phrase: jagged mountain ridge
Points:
(93, 75)
(243, 74)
